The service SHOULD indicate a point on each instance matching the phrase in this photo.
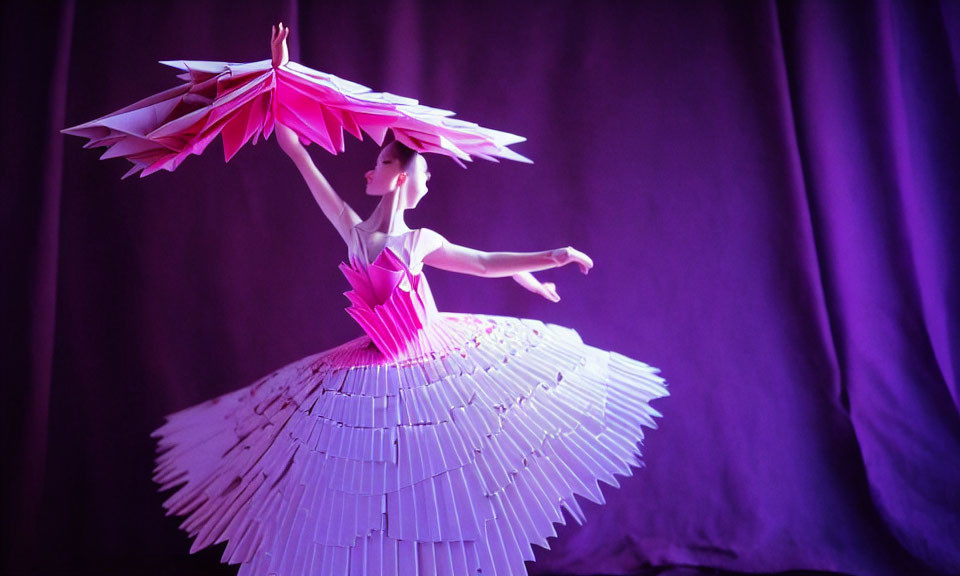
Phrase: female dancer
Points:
(435, 443)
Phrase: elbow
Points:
(494, 265)
(481, 266)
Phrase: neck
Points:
(387, 217)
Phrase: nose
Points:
(368, 175)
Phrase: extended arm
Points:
(519, 265)
(465, 260)
(334, 208)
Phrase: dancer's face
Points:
(389, 176)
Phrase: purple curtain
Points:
(770, 191)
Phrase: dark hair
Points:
(404, 154)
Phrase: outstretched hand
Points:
(569, 255)
(278, 45)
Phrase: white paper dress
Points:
(434, 444)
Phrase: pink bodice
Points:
(390, 297)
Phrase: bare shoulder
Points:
(428, 236)
(426, 241)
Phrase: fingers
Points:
(278, 33)
(564, 256)
(585, 263)
(278, 44)
(550, 292)
(582, 260)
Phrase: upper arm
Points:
(454, 258)
(337, 211)
(340, 214)
(446, 255)
(345, 222)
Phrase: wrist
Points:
(559, 256)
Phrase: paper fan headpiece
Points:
(242, 101)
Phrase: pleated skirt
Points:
(452, 463)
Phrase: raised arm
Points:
(340, 214)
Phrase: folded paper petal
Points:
(239, 102)
(393, 305)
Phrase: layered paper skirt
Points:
(454, 463)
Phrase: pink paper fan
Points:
(240, 102)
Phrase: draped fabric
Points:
(769, 192)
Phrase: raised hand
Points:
(278, 45)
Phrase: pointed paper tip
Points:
(178, 64)
(136, 168)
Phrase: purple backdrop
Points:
(769, 191)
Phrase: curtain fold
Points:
(33, 170)
(878, 120)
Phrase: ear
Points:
(401, 178)
(395, 182)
